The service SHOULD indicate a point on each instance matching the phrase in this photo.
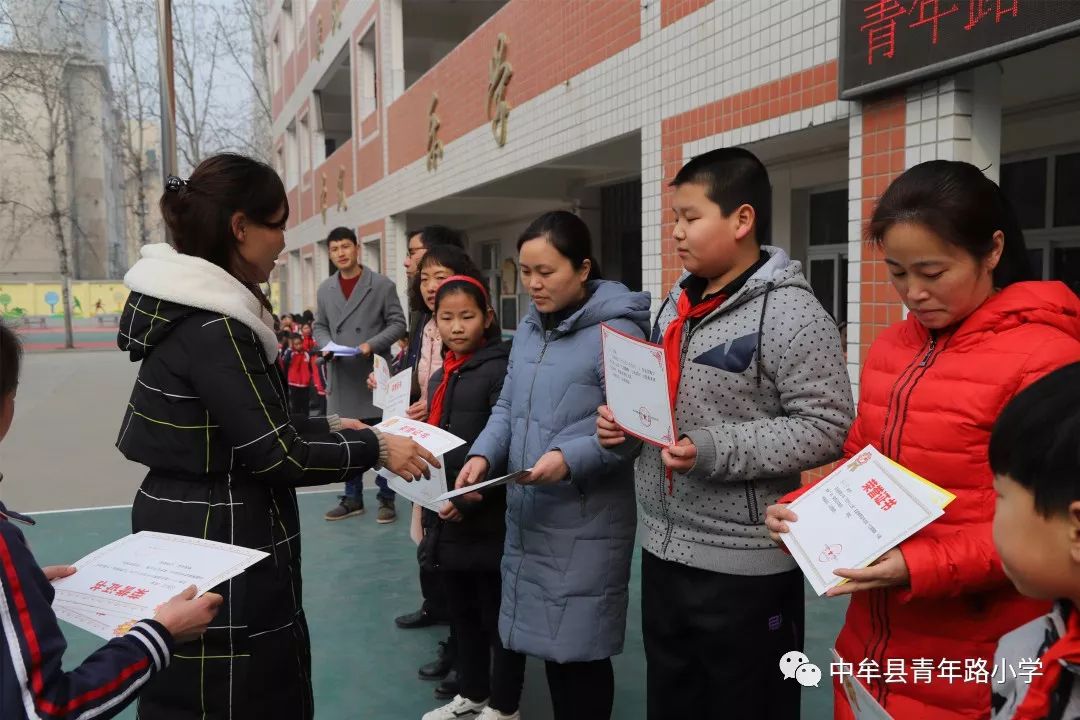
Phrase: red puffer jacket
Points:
(929, 402)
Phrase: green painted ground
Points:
(358, 575)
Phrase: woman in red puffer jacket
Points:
(932, 386)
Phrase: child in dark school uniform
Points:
(465, 541)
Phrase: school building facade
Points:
(481, 114)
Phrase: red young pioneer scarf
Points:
(673, 336)
(451, 364)
(673, 346)
(1036, 703)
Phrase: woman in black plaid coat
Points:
(208, 416)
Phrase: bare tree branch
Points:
(134, 69)
(40, 118)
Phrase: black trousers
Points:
(298, 401)
(579, 690)
(433, 589)
(713, 642)
(485, 668)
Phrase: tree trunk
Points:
(140, 204)
(57, 219)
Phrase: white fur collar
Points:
(187, 280)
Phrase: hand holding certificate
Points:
(436, 440)
(857, 516)
(130, 579)
(635, 377)
(395, 393)
(494, 482)
(382, 382)
(422, 490)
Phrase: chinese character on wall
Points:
(499, 73)
(434, 144)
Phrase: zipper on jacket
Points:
(751, 503)
(892, 407)
(670, 489)
(524, 447)
(891, 441)
(930, 352)
(528, 406)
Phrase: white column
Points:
(956, 118)
(395, 245)
(986, 120)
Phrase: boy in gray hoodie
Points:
(760, 393)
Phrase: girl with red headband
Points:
(465, 541)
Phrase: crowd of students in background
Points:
(302, 364)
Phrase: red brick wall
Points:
(342, 158)
(369, 126)
(672, 10)
(377, 227)
(550, 42)
(369, 164)
(798, 91)
(294, 207)
(882, 161)
(288, 76)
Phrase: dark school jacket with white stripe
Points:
(33, 683)
(208, 417)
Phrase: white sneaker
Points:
(491, 713)
(459, 707)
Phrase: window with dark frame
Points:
(1043, 191)
(826, 261)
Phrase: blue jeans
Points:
(354, 488)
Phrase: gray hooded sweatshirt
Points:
(764, 394)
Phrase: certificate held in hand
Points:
(125, 581)
(865, 508)
(381, 369)
(423, 491)
(635, 378)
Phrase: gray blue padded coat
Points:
(566, 563)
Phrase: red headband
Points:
(468, 279)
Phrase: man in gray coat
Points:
(359, 308)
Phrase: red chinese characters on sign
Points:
(123, 591)
(881, 24)
(881, 18)
(881, 497)
(930, 14)
(978, 9)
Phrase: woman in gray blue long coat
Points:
(569, 525)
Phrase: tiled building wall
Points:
(550, 42)
(785, 50)
(876, 144)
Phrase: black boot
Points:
(419, 619)
(449, 687)
(440, 666)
